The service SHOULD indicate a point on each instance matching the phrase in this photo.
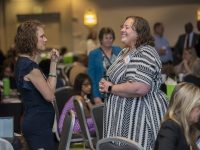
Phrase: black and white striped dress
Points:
(136, 118)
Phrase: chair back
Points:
(97, 116)
(62, 95)
(5, 145)
(125, 144)
(66, 135)
(122, 143)
(83, 123)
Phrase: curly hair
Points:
(26, 37)
(143, 30)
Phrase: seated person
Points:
(179, 130)
(194, 77)
(79, 66)
(189, 56)
(7, 72)
(82, 88)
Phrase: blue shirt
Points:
(96, 68)
(162, 42)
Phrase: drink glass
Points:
(6, 87)
(170, 89)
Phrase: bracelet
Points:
(52, 75)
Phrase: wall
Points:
(71, 32)
(58, 33)
(173, 16)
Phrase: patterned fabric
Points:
(70, 106)
(107, 63)
(137, 118)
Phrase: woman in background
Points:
(194, 76)
(101, 59)
(37, 92)
(91, 42)
(189, 57)
(82, 89)
(178, 130)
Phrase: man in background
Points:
(185, 41)
(161, 44)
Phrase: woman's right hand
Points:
(103, 85)
(54, 55)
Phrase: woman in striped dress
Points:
(136, 105)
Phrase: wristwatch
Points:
(110, 88)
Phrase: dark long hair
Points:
(143, 30)
(80, 78)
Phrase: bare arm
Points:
(52, 71)
(127, 89)
(52, 80)
(45, 87)
(38, 80)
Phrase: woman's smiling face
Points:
(128, 33)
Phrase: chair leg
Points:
(84, 145)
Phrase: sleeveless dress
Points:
(137, 118)
(39, 114)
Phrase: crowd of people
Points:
(130, 77)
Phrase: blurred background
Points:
(64, 19)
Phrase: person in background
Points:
(101, 58)
(8, 72)
(82, 89)
(185, 41)
(185, 66)
(198, 45)
(2, 58)
(161, 44)
(44, 67)
(136, 104)
(194, 76)
(179, 128)
(198, 25)
(79, 66)
(37, 91)
(63, 51)
(91, 42)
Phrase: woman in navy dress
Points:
(36, 91)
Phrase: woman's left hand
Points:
(103, 85)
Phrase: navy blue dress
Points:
(39, 114)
